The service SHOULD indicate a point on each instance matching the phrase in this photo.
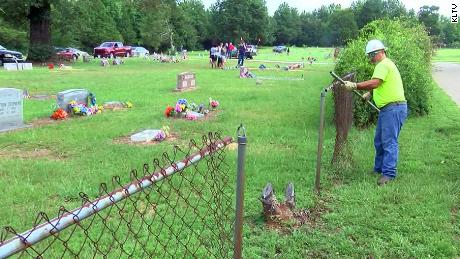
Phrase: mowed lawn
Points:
(447, 55)
(414, 217)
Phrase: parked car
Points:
(10, 56)
(112, 49)
(279, 48)
(80, 53)
(59, 49)
(68, 54)
(251, 51)
(140, 52)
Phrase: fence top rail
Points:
(67, 218)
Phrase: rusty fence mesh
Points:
(178, 206)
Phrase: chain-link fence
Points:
(179, 206)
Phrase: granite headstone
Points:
(11, 116)
(186, 81)
(78, 95)
(17, 66)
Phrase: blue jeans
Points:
(240, 60)
(391, 118)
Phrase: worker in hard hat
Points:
(386, 89)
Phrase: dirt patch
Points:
(454, 220)
(188, 89)
(286, 219)
(36, 153)
(43, 121)
(41, 97)
(115, 108)
(126, 140)
(210, 116)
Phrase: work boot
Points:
(383, 180)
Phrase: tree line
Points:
(34, 26)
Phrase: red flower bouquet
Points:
(59, 114)
(169, 111)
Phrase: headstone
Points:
(11, 66)
(186, 81)
(118, 61)
(78, 95)
(26, 66)
(104, 62)
(17, 66)
(148, 135)
(11, 116)
(86, 58)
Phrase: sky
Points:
(310, 5)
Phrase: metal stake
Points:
(238, 238)
(319, 152)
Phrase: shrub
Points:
(408, 45)
(12, 38)
(40, 52)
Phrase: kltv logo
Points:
(454, 16)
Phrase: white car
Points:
(140, 52)
(80, 53)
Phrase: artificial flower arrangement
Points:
(78, 109)
(213, 103)
(162, 134)
(59, 114)
(190, 111)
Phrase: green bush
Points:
(409, 46)
(40, 52)
(455, 45)
(12, 38)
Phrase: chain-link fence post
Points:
(320, 141)
(238, 238)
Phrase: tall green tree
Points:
(95, 27)
(156, 29)
(429, 16)
(235, 19)
(65, 30)
(288, 24)
(37, 13)
(13, 37)
(368, 11)
(323, 14)
(343, 26)
(310, 30)
(129, 21)
(450, 32)
(196, 23)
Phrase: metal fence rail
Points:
(177, 208)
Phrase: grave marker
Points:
(17, 66)
(185, 81)
(11, 108)
(78, 95)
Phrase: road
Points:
(447, 75)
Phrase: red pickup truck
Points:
(112, 49)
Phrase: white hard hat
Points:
(374, 45)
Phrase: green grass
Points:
(447, 55)
(415, 216)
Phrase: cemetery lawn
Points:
(447, 55)
(416, 216)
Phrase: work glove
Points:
(350, 86)
(367, 96)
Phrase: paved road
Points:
(447, 75)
